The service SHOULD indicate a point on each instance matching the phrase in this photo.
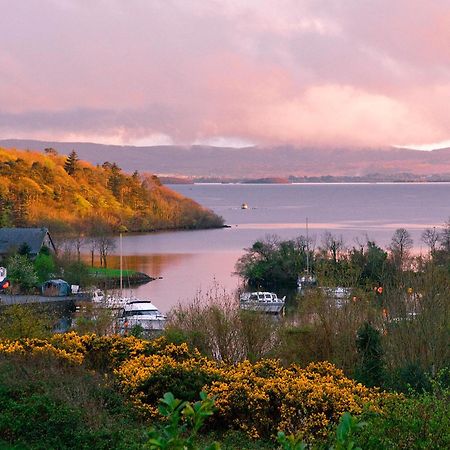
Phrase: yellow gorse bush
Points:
(259, 398)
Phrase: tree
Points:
(430, 237)
(370, 369)
(400, 247)
(71, 164)
(50, 151)
(44, 266)
(21, 272)
(332, 245)
(272, 264)
(444, 237)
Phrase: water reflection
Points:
(155, 265)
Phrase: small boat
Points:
(266, 302)
(306, 281)
(244, 206)
(338, 296)
(141, 313)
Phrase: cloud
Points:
(259, 71)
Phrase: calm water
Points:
(189, 261)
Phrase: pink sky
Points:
(237, 72)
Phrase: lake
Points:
(193, 261)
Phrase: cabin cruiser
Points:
(266, 302)
(141, 313)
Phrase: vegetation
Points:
(396, 304)
(184, 422)
(272, 263)
(256, 399)
(103, 392)
(367, 371)
(66, 194)
(54, 404)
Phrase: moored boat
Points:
(266, 302)
(141, 313)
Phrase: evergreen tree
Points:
(370, 369)
(71, 164)
(115, 181)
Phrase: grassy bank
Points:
(111, 277)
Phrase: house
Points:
(12, 239)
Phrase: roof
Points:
(57, 281)
(13, 238)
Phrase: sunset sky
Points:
(237, 72)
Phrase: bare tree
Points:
(105, 245)
(332, 245)
(430, 237)
(444, 237)
(400, 247)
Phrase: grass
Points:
(102, 272)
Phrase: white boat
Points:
(339, 295)
(244, 206)
(111, 301)
(266, 302)
(141, 313)
(306, 281)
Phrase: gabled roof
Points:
(13, 238)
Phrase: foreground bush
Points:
(418, 422)
(48, 403)
(258, 399)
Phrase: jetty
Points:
(8, 299)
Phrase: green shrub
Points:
(48, 404)
(183, 421)
(24, 321)
(184, 383)
(419, 422)
(44, 267)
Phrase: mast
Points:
(307, 248)
(121, 278)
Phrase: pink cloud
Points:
(263, 71)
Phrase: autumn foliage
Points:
(66, 194)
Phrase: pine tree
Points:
(71, 164)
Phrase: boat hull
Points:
(146, 323)
(268, 308)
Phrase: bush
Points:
(24, 321)
(257, 399)
(21, 273)
(55, 405)
(418, 422)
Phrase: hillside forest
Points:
(68, 195)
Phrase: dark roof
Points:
(13, 238)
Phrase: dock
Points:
(6, 300)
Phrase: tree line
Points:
(68, 195)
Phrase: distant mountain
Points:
(253, 162)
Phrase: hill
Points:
(66, 194)
(256, 162)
